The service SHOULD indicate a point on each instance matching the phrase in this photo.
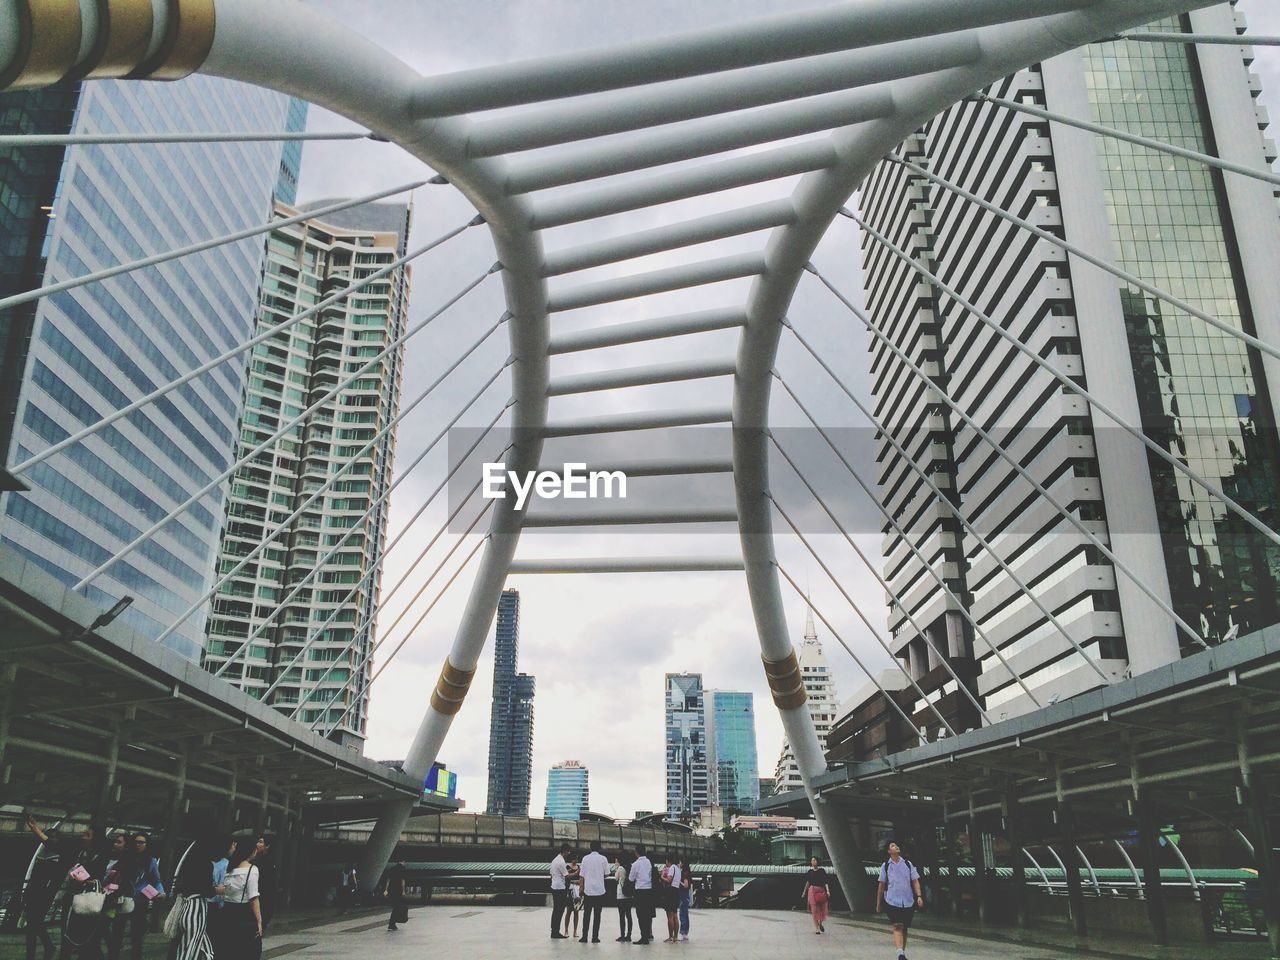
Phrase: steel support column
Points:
(1075, 889)
(1013, 831)
(8, 688)
(1257, 799)
(1149, 846)
(978, 853)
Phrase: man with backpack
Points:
(898, 895)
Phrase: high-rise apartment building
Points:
(79, 355)
(823, 703)
(335, 545)
(734, 778)
(1210, 239)
(686, 725)
(568, 791)
(510, 717)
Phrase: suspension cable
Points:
(1240, 40)
(222, 358)
(325, 487)
(995, 445)
(362, 625)
(856, 659)
(857, 607)
(112, 139)
(448, 583)
(227, 238)
(1160, 146)
(282, 431)
(919, 555)
(1083, 254)
(1070, 384)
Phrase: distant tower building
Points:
(687, 786)
(332, 615)
(821, 688)
(734, 781)
(568, 791)
(510, 718)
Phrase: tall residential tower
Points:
(1210, 239)
(341, 534)
(820, 687)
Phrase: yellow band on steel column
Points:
(188, 38)
(126, 38)
(785, 682)
(451, 689)
(48, 43)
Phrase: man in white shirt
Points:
(642, 876)
(594, 868)
(559, 893)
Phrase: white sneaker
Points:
(684, 936)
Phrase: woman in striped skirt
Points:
(195, 885)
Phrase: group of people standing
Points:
(640, 888)
(220, 903)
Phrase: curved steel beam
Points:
(818, 198)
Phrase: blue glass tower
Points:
(511, 717)
(95, 349)
(731, 751)
(568, 793)
(687, 788)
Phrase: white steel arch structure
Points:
(861, 76)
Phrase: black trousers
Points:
(625, 924)
(36, 912)
(593, 905)
(135, 924)
(559, 901)
(646, 904)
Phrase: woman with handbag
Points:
(188, 920)
(240, 927)
(625, 896)
(817, 893)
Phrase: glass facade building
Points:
(568, 791)
(510, 717)
(732, 760)
(1194, 390)
(688, 787)
(336, 543)
(96, 348)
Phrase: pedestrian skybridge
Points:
(577, 166)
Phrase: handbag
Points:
(173, 920)
(819, 894)
(89, 903)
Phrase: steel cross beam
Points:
(856, 78)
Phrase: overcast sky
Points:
(598, 646)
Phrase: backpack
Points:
(885, 868)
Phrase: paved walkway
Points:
(498, 933)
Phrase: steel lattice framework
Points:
(858, 77)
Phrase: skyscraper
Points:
(1198, 392)
(686, 721)
(510, 718)
(732, 763)
(820, 687)
(265, 602)
(568, 790)
(79, 355)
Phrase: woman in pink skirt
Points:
(816, 893)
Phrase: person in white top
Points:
(559, 895)
(239, 929)
(671, 898)
(641, 875)
(595, 867)
(622, 873)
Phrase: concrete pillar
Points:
(260, 815)
(1149, 849)
(297, 830)
(981, 886)
(1013, 831)
(227, 817)
(8, 690)
(169, 849)
(101, 815)
(1264, 857)
(1075, 890)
